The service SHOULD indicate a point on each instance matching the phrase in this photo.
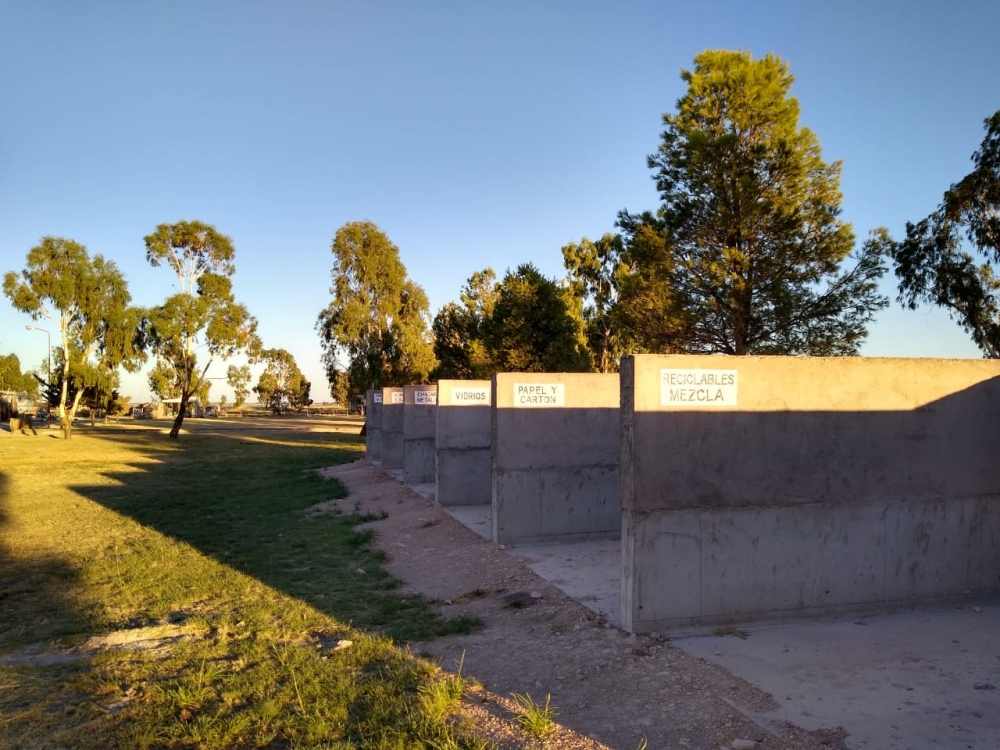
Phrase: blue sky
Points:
(473, 133)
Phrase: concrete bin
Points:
(555, 439)
(419, 431)
(392, 428)
(769, 488)
(463, 442)
(373, 425)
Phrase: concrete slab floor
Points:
(479, 518)
(427, 490)
(590, 572)
(910, 681)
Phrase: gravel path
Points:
(610, 689)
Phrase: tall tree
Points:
(378, 315)
(203, 314)
(459, 330)
(101, 392)
(747, 254)
(239, 379)
(340, 390)
(88, 300)
(937, 262)
(282, 385)
(164, 379)
(596, 272)
(12, 379)
(535, 326)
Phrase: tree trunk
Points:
(179, 420)
(66, 415)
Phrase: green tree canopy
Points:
(164, 383)
(340, 390)
(12, 379)
(203, 315)
(596, 272)
(239, 379)
(87, 299)
(948, 258)
(378, 316)
(746, 253)
(536, 325)
(282, 386)
(459, 330)
(162, 380)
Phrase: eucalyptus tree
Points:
(282, 385)
(11, 377)
(238, 378)
(203, 316)
(746, 253)
(596, 271)
(163, 380)
(378, 315)
(459, 330)
(949, 258)
(87, 300)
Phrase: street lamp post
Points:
(48, 376)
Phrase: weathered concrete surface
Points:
(419, 431)
(479, 518)
(916, 681)
(555, 439)
(463, 442)
(919, 680)
(392, 428)
(829, 486)
(373, 425)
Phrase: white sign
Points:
(425, 397)
(698, 387)
(534, 395)
(377, 397)
(395, 397)
(471, 396)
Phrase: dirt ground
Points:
(610, 690)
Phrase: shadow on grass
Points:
(208, 539)
(241, 497)
(40, 603)
(38, 590)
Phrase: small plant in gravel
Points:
(439, 697)
(476, 593)
(730, 631)
(537, 719)
(369, 516)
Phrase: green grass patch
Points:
(256, 624)
(537, 719)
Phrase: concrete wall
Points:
(373, 425)
(555, 454)
(419, 431)
(761, 488)
(392, 428)
(463, 442)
